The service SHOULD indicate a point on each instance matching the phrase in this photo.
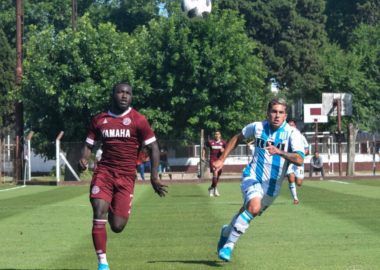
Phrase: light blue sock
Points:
(240, 225)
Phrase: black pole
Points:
(19, 108)
(74, 14)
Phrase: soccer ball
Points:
(196, 8)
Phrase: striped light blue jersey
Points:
(268, 169)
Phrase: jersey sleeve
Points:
(224, 144)
(296, 143)
(91, 133)
(146, 133)
(249, 130)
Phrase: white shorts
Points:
(298, 171)
(252, 189)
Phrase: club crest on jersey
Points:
(105, 121)
(127, 121)
(95, 190)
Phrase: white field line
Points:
(339, 182)
(8, 189)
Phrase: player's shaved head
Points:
(121, 84)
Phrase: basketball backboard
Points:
(312, 113)
(329, 107)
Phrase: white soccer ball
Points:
(196, 8)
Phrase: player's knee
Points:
(254, 209)
(299, 183)
(118, 228)
(100, 213)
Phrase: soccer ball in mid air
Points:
(196, 8)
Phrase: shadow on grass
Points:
(43, 269)
(180, 196)
(203, 262)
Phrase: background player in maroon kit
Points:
(216, 147)
(123, 132)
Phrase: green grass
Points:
(336, 226)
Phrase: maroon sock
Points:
(214, 181)
(99, 235)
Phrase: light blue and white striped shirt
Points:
(268, 169)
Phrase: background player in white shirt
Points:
(276, 144)
(296, 173)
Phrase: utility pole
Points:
(338, 104)
(74, 14)
(19, 108)
(316, 136)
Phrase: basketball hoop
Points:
(313, 113)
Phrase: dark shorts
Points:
(117, 189)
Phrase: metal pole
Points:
(29, 155)
(373, 154)
(19, 110)
(57, 152)
(8, 148)
(316, 136)
(339, 113)
(201, 172)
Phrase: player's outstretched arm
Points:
(154, 154)
(232, 143)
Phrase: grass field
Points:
(336, 226)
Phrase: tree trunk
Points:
(1, 158)
(352, 132)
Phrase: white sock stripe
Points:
(100, 220)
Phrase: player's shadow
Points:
(204, 262)
(189, 195)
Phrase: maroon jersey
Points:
(121, 136)
(215, 148)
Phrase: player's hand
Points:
(82, 164)
(158, 187)
(273, 150)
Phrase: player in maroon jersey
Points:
(216, 147)
(123, 132)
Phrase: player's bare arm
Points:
(154, 154)
(86, 152)
(231, 145)
(294, 158)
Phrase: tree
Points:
(289, 33)
(133, 13)
(357, 72)
(7, 84)
(44, 13)
(202, 73)
(73, 74)
(345, 15)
